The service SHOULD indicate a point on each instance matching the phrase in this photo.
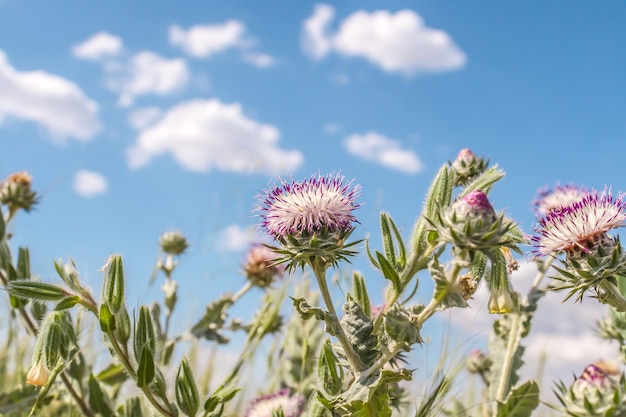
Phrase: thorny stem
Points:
(66, 381)
(320, 274)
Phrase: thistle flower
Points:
(549, 199)
(260, 268)
(311, 218)
(467, 166)
(580, 224)
(478, 362)
(16, 192)
(266, 405)
(37, 375)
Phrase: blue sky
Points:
(140, 117)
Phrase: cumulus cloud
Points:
(202, 41)
(396, 42)
(53, 102)
(236, 238)
(98, 46)
(147, 73)
(374, 147)
(316, 41)
(207, 134)
(89, 183)
(563, 332)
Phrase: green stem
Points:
(431, 308)
(241, 292)
(320, 274)
(511, 347)
(164, 410)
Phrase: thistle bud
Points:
(467, 166)
(260, 268)
(37, 375)
(478, 362)
(173, 243)
(16, 193)
(471, 224)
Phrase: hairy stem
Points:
(320, 274)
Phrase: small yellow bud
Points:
(38, 375)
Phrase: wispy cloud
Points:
(53, 102)
(396, 42)
(235, 238)
(377, 148)
(202, 41)
(90, 183)
(202, 135)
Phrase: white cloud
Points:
(332, 128)
(235, 238)
(89, 183)
(259, 60)
(98, 46)
(144, 117)
(396, 42)
(379, 149)
(53, 102)
(562, 331)
(315, 39)
(207, 134)
(202, 41)
(147, 73)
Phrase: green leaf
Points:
(221, 396)
(389, 272)
(390, 250)
(123, 326)
(23, 263)
(37, 290)
(107, 320)
(521, 401)
(97, 400)
(145, 370)
(3, 227)
(67, 302)
(484, 181)
(187, 395)
(210, 325)
(359, 290)
(112, 375)
(402, 257)
(329, 372)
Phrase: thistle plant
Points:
(327, 359)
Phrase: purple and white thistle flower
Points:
(549, 199)
(320, 202)
(311, 219)
(261, 268)
(579, 225)
(266, 405)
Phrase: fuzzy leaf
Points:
(187, 395)
(67, 302)
(97, 400)
(210, 325)
(359, 290)
(23, 263)
(390, 250)
(107, 320)
(113, 285)
(145, 370)
(112, 375)
(145, 337)
(389, 272)
(37, 290)
(521, 401)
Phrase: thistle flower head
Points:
(478, 362)
(266, 405)
(320, 202)
(311, 219)
(260, 267)
(474, 206)
(173, 243)
(16, 192)
(593, 378)
(467, 166)
(580, 224)
(549, 199)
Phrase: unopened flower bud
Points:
(16, 193)
(467, 166)
(478, 362)
(37, 375)
(260, 268)
(474, 206)
(173, 243)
